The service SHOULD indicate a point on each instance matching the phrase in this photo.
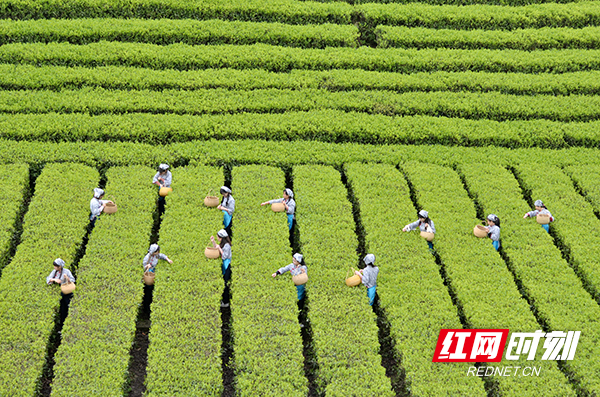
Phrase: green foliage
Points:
(184, 356)
(168, 31)
(57, 78)
(490, 105)
(576, 226)
(283, 59)
(413, 295)
(319, 125)
(100, 327)
(14, 182)
(586, 177)
(458, 2)
(348, 360)
(276, 153)
(552, 288)
(483, 16)
(267, 342)
(286, 11)
(483, 285)
(53, 228)
(523, 39)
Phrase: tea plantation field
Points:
(370, 111)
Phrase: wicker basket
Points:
(212, 253)
(543, 219)
(211, 201)
(354, 280)
(67, 287)
(300, 279)
(428, 236)
(164, 191)
(149, 278)
(278, 207)
(480, 231)
(110, 208)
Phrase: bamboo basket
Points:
(278, 207)
(428, 236)
(211, 201)
(354, 280)
(110, 208)
(480, 231)
(300, 279)
(212, 253)
(149, 278)
(543, 219)
(67, 287)
(164, 191)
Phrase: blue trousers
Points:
(290, 221)
(496, 245)
(371, 294)
(546, 227)
(225, 265)
(300, 290)
(226, 218)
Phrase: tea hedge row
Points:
(555, 189)
(184, 355)
(286, 11)
(475, 269)
(30, 77)
(552, 288)
(544, 38)
(322, 125)
(413, 296)
(457, 2)
(476, 16)
(52, 228)
(169, 31)
(282, 59)
(586, 178)
(329, 243)
(490, 105)
(14, 183)
(102, 316)
(267, 342)
(211, 152)
(482, 16)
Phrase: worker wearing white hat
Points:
(162, 178)
(295, 268)
(59, 276)
(151, 259)
(540, 208)
(97, 205)
(493, 229)
(224, 248)
(368, 276)
(424, 224)
(290, 205)
(228, 207)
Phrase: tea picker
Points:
(493, 230)
(227, 206)
(289, 204)
(425, 225)
(65, 279)
(543, 216)
(368, 276)
(163, 179)
(224, 248)
(299, 273)
(151, 259)
(97, 205)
